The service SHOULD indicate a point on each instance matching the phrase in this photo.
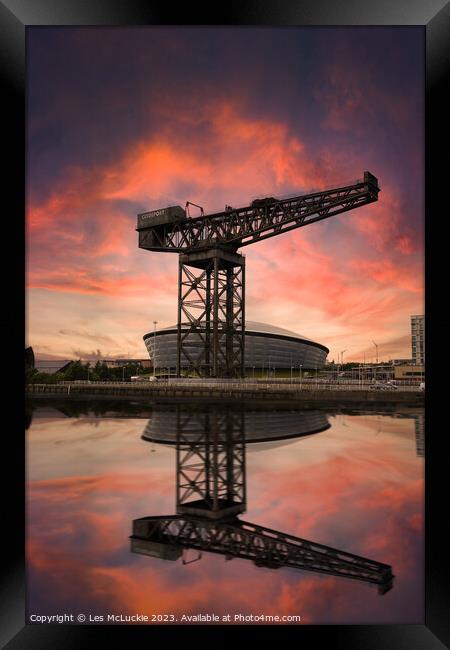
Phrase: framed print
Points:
(232, 435)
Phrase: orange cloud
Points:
(82, 238)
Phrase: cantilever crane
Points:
(211, 493)
(211, 280)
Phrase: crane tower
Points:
(211, 277)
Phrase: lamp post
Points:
(155, 322)
(300, 375)
(376, 351)
(342, 358)
(376, 360)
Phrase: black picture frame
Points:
(434, 16)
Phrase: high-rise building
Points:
(418, 340)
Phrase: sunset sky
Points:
(123, 120)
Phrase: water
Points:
(352, 481)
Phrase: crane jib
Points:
(168, 229)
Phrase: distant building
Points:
(51, 366)
(118, 363)
(418, 340)
(60, 365)
(409, 372)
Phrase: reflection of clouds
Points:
(362, 494)
(69, 447)
(354, 437)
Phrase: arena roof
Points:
(263, 329)
(252, 326)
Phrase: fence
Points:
(216, 386)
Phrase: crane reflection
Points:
(211, 493)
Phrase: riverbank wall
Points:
(155, 393)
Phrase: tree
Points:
(42, 378)
(30, 375)
(75, 371)
(103, 371)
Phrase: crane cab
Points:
(154, 226)
(163, 216)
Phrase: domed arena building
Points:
(267, 348)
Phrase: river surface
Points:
(353, 481)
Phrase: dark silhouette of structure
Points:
(29, 358)
(419, 425)
(211, 280)
(211, 493)
(273, 426)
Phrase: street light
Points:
(300, 375)
(376, 351)
(342, 358)
(376, 360)
(155, 322)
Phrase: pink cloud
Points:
(387, 273)
(82, 238)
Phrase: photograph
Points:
(225, 325)
(241, 435)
